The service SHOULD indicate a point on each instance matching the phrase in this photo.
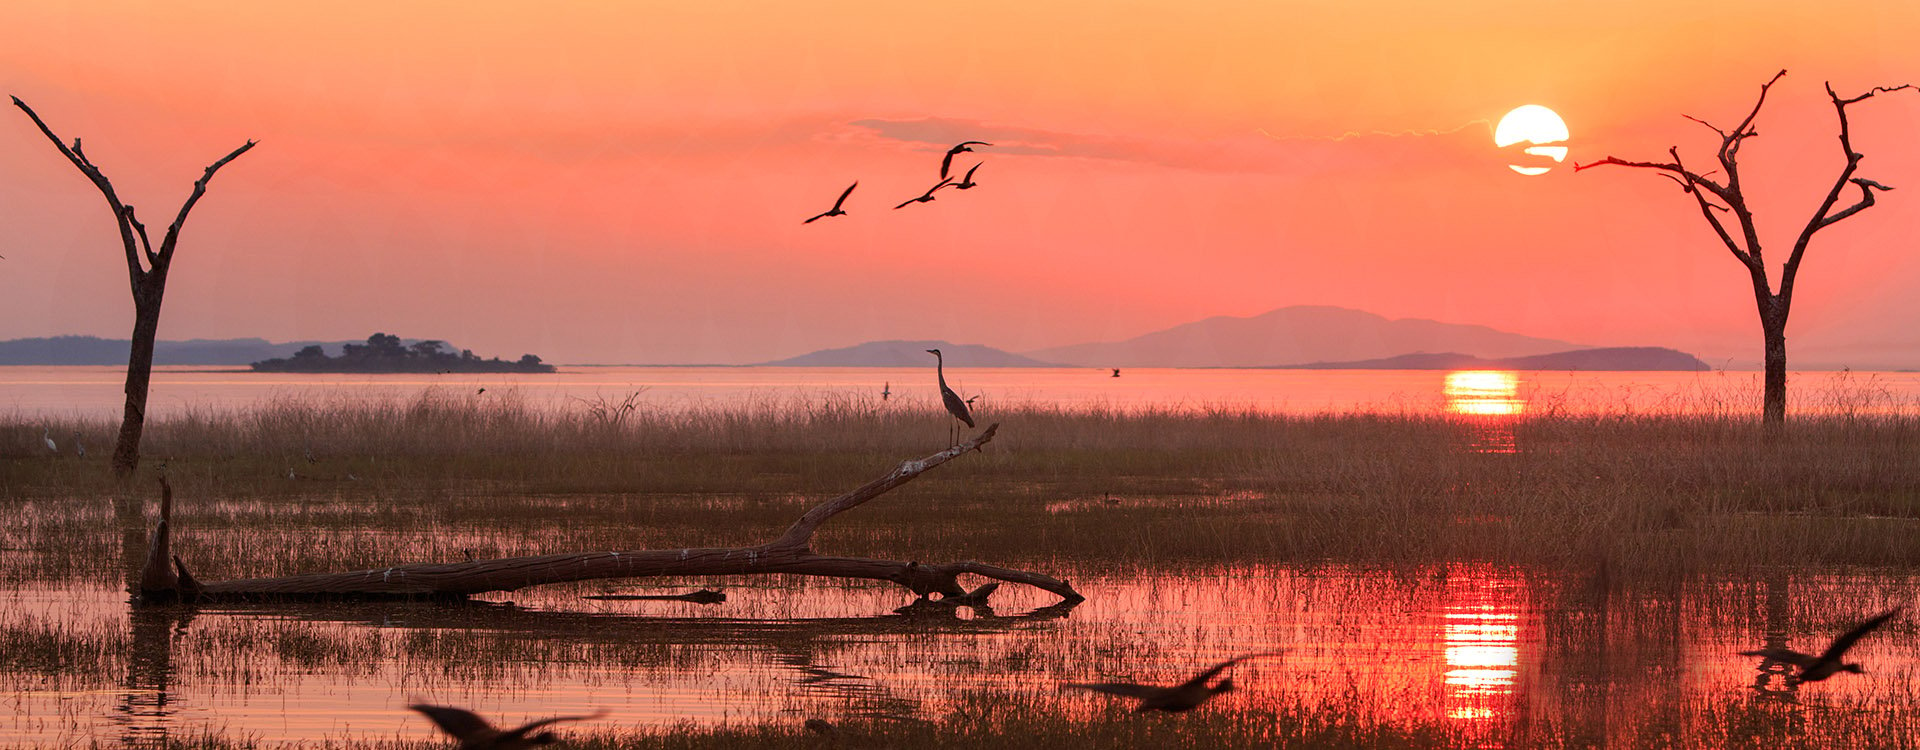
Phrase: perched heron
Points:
(1817, 668)
(1181, 697)
(958, 149)
(835, 211)
(926, 196)
(46, 436)
(955, 406)
(474, 733)
(966, 182)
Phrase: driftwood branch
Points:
(790, 554)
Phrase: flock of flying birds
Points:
(474, 733)
(946, 165)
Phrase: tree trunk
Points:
(790, 553)
(1774, 406)
(146, 325)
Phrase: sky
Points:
(625, 182)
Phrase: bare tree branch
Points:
(199, 189)
(134, 270)
(146, 245)
(1822, 217)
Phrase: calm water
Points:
(96, 391)
(1485, 649)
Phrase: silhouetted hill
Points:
(1298, 334)
(909, 354)
(1613, 359)
(386, 353)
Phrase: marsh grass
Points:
(429, 477)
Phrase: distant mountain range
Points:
(1292, 337)
(909, 354)
(1304, 337)
(93, 350)
(1617, 359)
(1299, 335)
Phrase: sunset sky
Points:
(625, 182)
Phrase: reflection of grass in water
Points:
(31, 646)
(997, 723)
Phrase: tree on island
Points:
(149, 283)
(385, 353)
(1729, 197)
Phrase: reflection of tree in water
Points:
(1771, 682)
(145, 702)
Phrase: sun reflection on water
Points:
(1490, 401)
(1484, 392)
(1482, 635)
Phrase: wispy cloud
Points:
(1257, 152)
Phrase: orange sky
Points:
(618, 182)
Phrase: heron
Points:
(955, 406)
(46, 436)
(1182, 697)
(1827, 664)
(79, 448)
(926, 196)
(966, 182)
(474, 733)
(959, 148)
(835, 211)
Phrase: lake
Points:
(95, 392)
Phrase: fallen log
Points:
(703, 596)
(789, 554)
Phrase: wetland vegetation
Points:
(1602, 566)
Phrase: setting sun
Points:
(1537, 126)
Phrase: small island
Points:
(385, 353)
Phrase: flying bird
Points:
(835, 211)
(1817, 668)
(886, 389)
(966, 182)
(960, 148)
(927, 196)
(474, 733)
(1181, 697)
(1116, 372)
(955, 406)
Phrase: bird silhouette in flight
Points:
(966, 182)
(1182, 697)
(927, 196)
(1829, 663)
(955, 406)
(835, 211)
(474, 733)
(946, 162)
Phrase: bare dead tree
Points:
(165, 577)
(149, 281)
(1722, 198)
